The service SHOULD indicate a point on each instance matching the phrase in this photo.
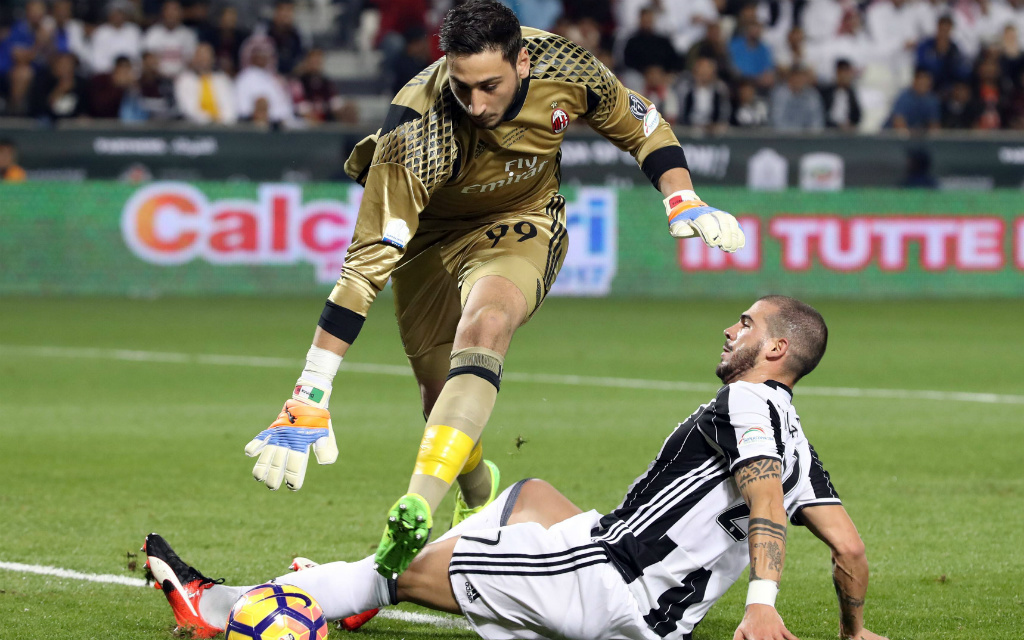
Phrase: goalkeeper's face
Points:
(486, 85)
(744, 342)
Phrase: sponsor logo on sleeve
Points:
(651, 120)
(396, 233)
(754, 435)
(637, 107)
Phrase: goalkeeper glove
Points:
(689, 216)
(283, 447)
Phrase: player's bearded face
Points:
(743, 343)
(738, 361)
(485, 84)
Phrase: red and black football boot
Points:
(182, 585)
(350, 623)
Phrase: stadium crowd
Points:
(786, 65)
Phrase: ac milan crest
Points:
(559, 120)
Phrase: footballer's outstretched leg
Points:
(351, 623)
(350, 592)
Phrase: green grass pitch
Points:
(98, 452)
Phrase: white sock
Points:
(343, 589)
(216, 603)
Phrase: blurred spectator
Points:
(794, 52)
(750, 110)
(539, 14)
(18, 91)
(778, 17)
(979, 23)
(941, 57)
(115, 38)
(705, 98)
(398, 17)
(287, 41)
(202, 95)
(658, 89)
(821, 18)
(156, 91)
(599, 11)
(1017, 12)
(260, 83)
(850, 43)
(646, 48)
(29, 42)
(107, 90)
(751, 57)
(895, 28)
(416, 57)
(796, 103)
(1015, 111)
(226, 38)
(248, 11)
(917, 107)
(627, 17)
(989, 95)
(688, 21)
(261, 114)
(171, 41)
(713, 45)
(842, 106)
(928, 14)
(959, 111)
(69, 33)
(9, 169)
(317, 100)
(195, 13)
(1011, 59)
(585, 32)
(60, 93)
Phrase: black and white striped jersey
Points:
(679, 536)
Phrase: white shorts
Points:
(525, 581)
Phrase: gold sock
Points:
(458, 417)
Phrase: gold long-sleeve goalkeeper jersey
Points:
(429, 168)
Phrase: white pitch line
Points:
(73, 575)
(515, 376)
(424, 618)
(57, 572)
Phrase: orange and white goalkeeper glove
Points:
(688, 216)
(304, 422)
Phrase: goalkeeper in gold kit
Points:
(461, 211)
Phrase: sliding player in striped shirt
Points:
(715, 499)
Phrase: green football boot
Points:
(405, 534)
(463, 510)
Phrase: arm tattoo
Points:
(765, 527)
(753, 571)
(772, 552)
(769, 548)
(763, 469)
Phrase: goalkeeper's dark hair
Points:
(803, 326)
(476, 26)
